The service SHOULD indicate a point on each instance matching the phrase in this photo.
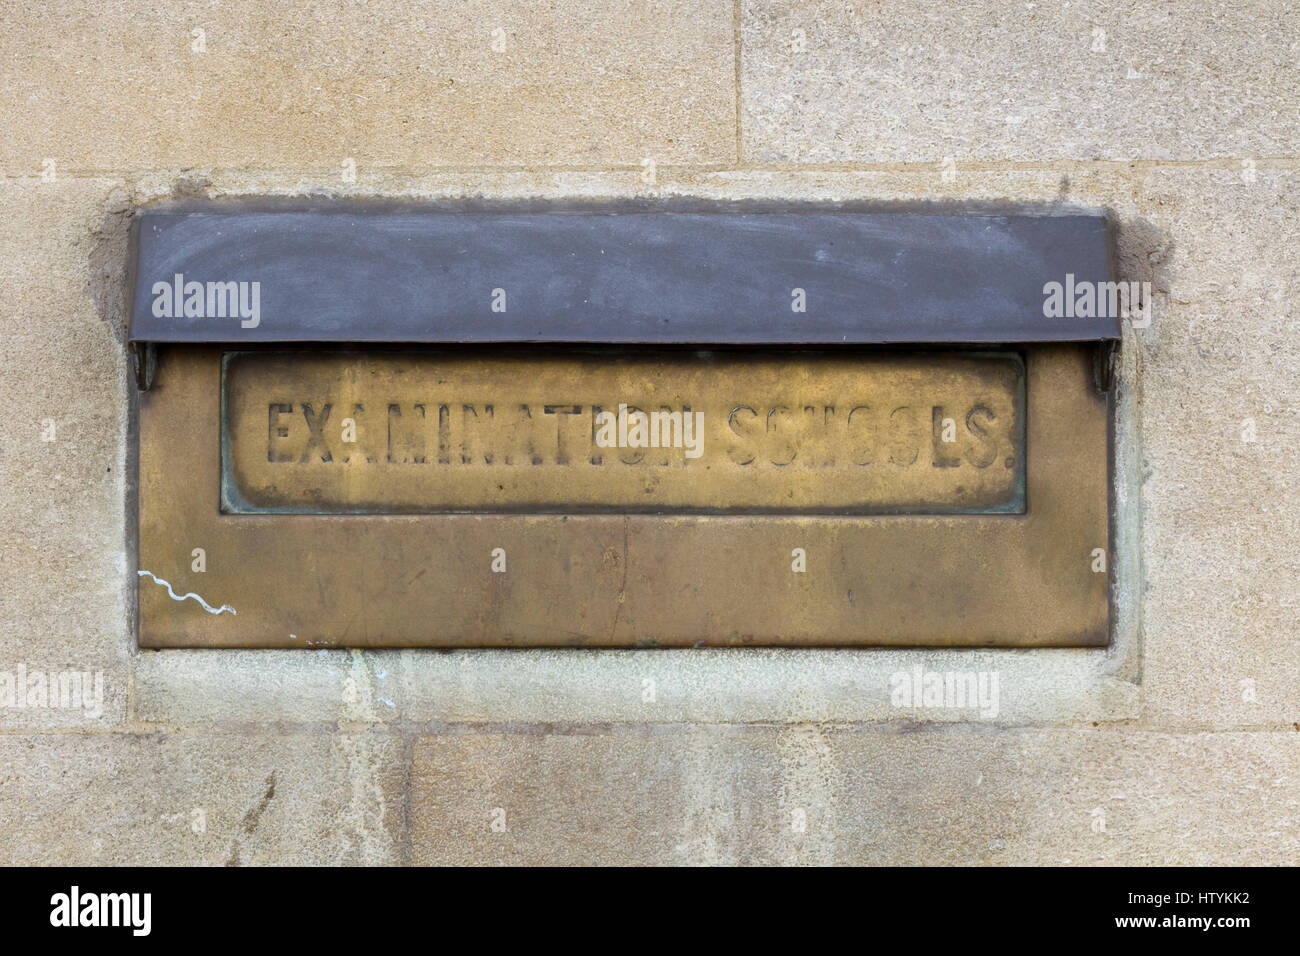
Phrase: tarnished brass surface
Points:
(701, 432)
(610, 579)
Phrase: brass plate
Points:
(685, 431)
(620, 580)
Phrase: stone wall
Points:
(1179, 744)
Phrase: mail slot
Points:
(671, 426)
(611, 432)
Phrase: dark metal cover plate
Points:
(680, 274)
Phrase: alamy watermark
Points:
(919, 689)
(26, 688)
(1087, 300)
(130, 910)
(179, 299)
(662, 429)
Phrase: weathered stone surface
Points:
(259, 687)
(1220, 428)
(635, 796)
(809, 794)
(132, 799)
(64, 600)
(990, 81)
(105, 86)
(188, 688)
(1071, 797)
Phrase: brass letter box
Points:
(599, 427)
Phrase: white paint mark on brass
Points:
(181, 597)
